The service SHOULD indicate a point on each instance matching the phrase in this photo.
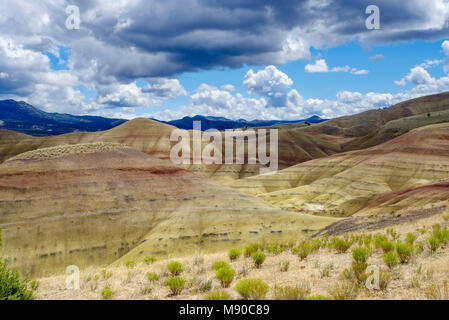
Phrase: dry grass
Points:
(64, 150)
(422, 278)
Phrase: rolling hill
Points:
(343, 184)
(92, 204)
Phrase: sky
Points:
(252, 59)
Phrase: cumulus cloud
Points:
(123, 41)
(269, 83)
(321, 66)
(127, 95)
(165, 88)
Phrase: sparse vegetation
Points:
(249, 250)
(258, 258)
(176, 285)
(225, 275)
(220, 264)
(152, 277)
(234, 254)
(107, 293)
(175, 268)
(149, 260)
(217, 295)
(130, 264)
(298, 292)
(391, 259)
(12, 286)
(252, 289)
(344, 290)
(405, 251)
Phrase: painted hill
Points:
(343, 184)
(91, 204)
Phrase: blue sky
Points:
(254, 60)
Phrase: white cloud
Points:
(165, 88)
(127, 95)
(269, 83)
(419, 75)
(401, 82)
(445, 47)
(228, 87)
(320, 65)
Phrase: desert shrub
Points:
(130, 263)
(358, 269)
(175, 268)
(252, 289)
(384, 279)
(107, 293)
(378, 239)
(152, 277)
(284, 265)
(217, 295)
(298, 292)
(341, 245)
(360, 254)
(433, 243)
(410, 238)
(12, 286)
(225, 275)
(318, 297)
(391, 258)
(446, 217)
(275, 249)
(258, 258)
(315, 244)
(441, 234)
(249, 250)
(405, 251)
(149, 260)
(220, 264)
(387, 246)
(344, 290)
(234, 254)
(176, 284)
(303, 249)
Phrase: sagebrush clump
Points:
(175, 268)
(252, 289)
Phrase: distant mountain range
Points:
(221, 123)
(23, 117)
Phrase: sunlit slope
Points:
(342, 184)
(368, 122)
(89, 204)
(153, 138)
